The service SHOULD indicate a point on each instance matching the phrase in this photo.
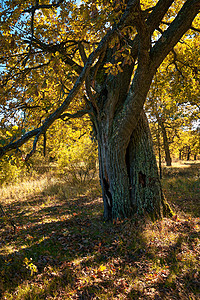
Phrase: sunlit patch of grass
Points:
(62, 249)
(182, 186)
(15, 192)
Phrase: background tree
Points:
(187, 144)
(115, 49)
(173, 96)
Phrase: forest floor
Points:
(62, 248)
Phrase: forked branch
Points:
(133, 5)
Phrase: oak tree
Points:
(106, 53)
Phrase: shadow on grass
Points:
(175, 274)
(187, 169)
(59, 241)
(182, 186)
(64, 250)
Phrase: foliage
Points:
(78, 161)
(44, 47)
(173, 98)
(188, 144)
(30, 266)
(12, 169)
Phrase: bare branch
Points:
(19, 142)
(22, 72)
(53, 48)
(32, 35)
(195, 29)
(175, 63)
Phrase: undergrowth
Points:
(63, 249)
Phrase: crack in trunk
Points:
(129, 176)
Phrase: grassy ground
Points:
(62, 249)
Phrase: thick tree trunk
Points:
(114, 178)
(146, 190)
(129, 175)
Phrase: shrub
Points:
(79, 161)
(12, 169)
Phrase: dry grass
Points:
(63, 250)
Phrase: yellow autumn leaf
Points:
(101, 268)
(8, 133)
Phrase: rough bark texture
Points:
(129, 175)
(146, 191)
(113, 177)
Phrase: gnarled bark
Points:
(129, 175)
(146, 190)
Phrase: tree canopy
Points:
(49, 49)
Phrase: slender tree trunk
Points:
(159, 153)
(180, 154)
(188, 152)
(165, 143)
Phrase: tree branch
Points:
(82, 52)
(34, 147)
(174, 32)
(158, 13)
(153, 21)
(191, 27)
(20, 142)
(78, 114)
(91, 59)
(175, 63)
(32, 35)
(53, 48)
(135, 100)
(46, 6)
